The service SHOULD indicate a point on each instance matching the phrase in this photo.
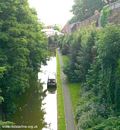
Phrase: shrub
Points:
(112, 123)
(104, 15)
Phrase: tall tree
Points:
(22, 50)
(83, 9)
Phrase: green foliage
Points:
(82, 9)
(6, 123)
(101, 79)
(57, 27)
(22, 50)
(1, 99)
(95, 62)
(112, 123)
(105, 12)
(80, 60)
(2, 70)
(65, 41)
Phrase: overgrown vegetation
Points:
(83, 9)
(73, 87)
(95, 62)
(105, 12)
(22, 50)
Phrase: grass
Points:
(60, 100)
(65, 59)
(75, 94)
(73, 87)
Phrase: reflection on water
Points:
(50, 100)
(51, 90)
(31, 111)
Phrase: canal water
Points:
(37, 108)
(50, 101)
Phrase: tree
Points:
(82, 9)
(95, 63)
(22, 50)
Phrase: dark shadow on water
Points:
(51, 89)
(30, 113)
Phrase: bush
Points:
(104, 15)
(100, 94)
(112, 123)
(95, 62)
(89, 119)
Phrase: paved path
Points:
(70, 124)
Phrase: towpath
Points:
(69, 116)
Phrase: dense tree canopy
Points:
(94, 61)
(83, 9)
(22, 50)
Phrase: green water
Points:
(29, 114)
(37, 108)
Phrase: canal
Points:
(37, 108)
(50, 101)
